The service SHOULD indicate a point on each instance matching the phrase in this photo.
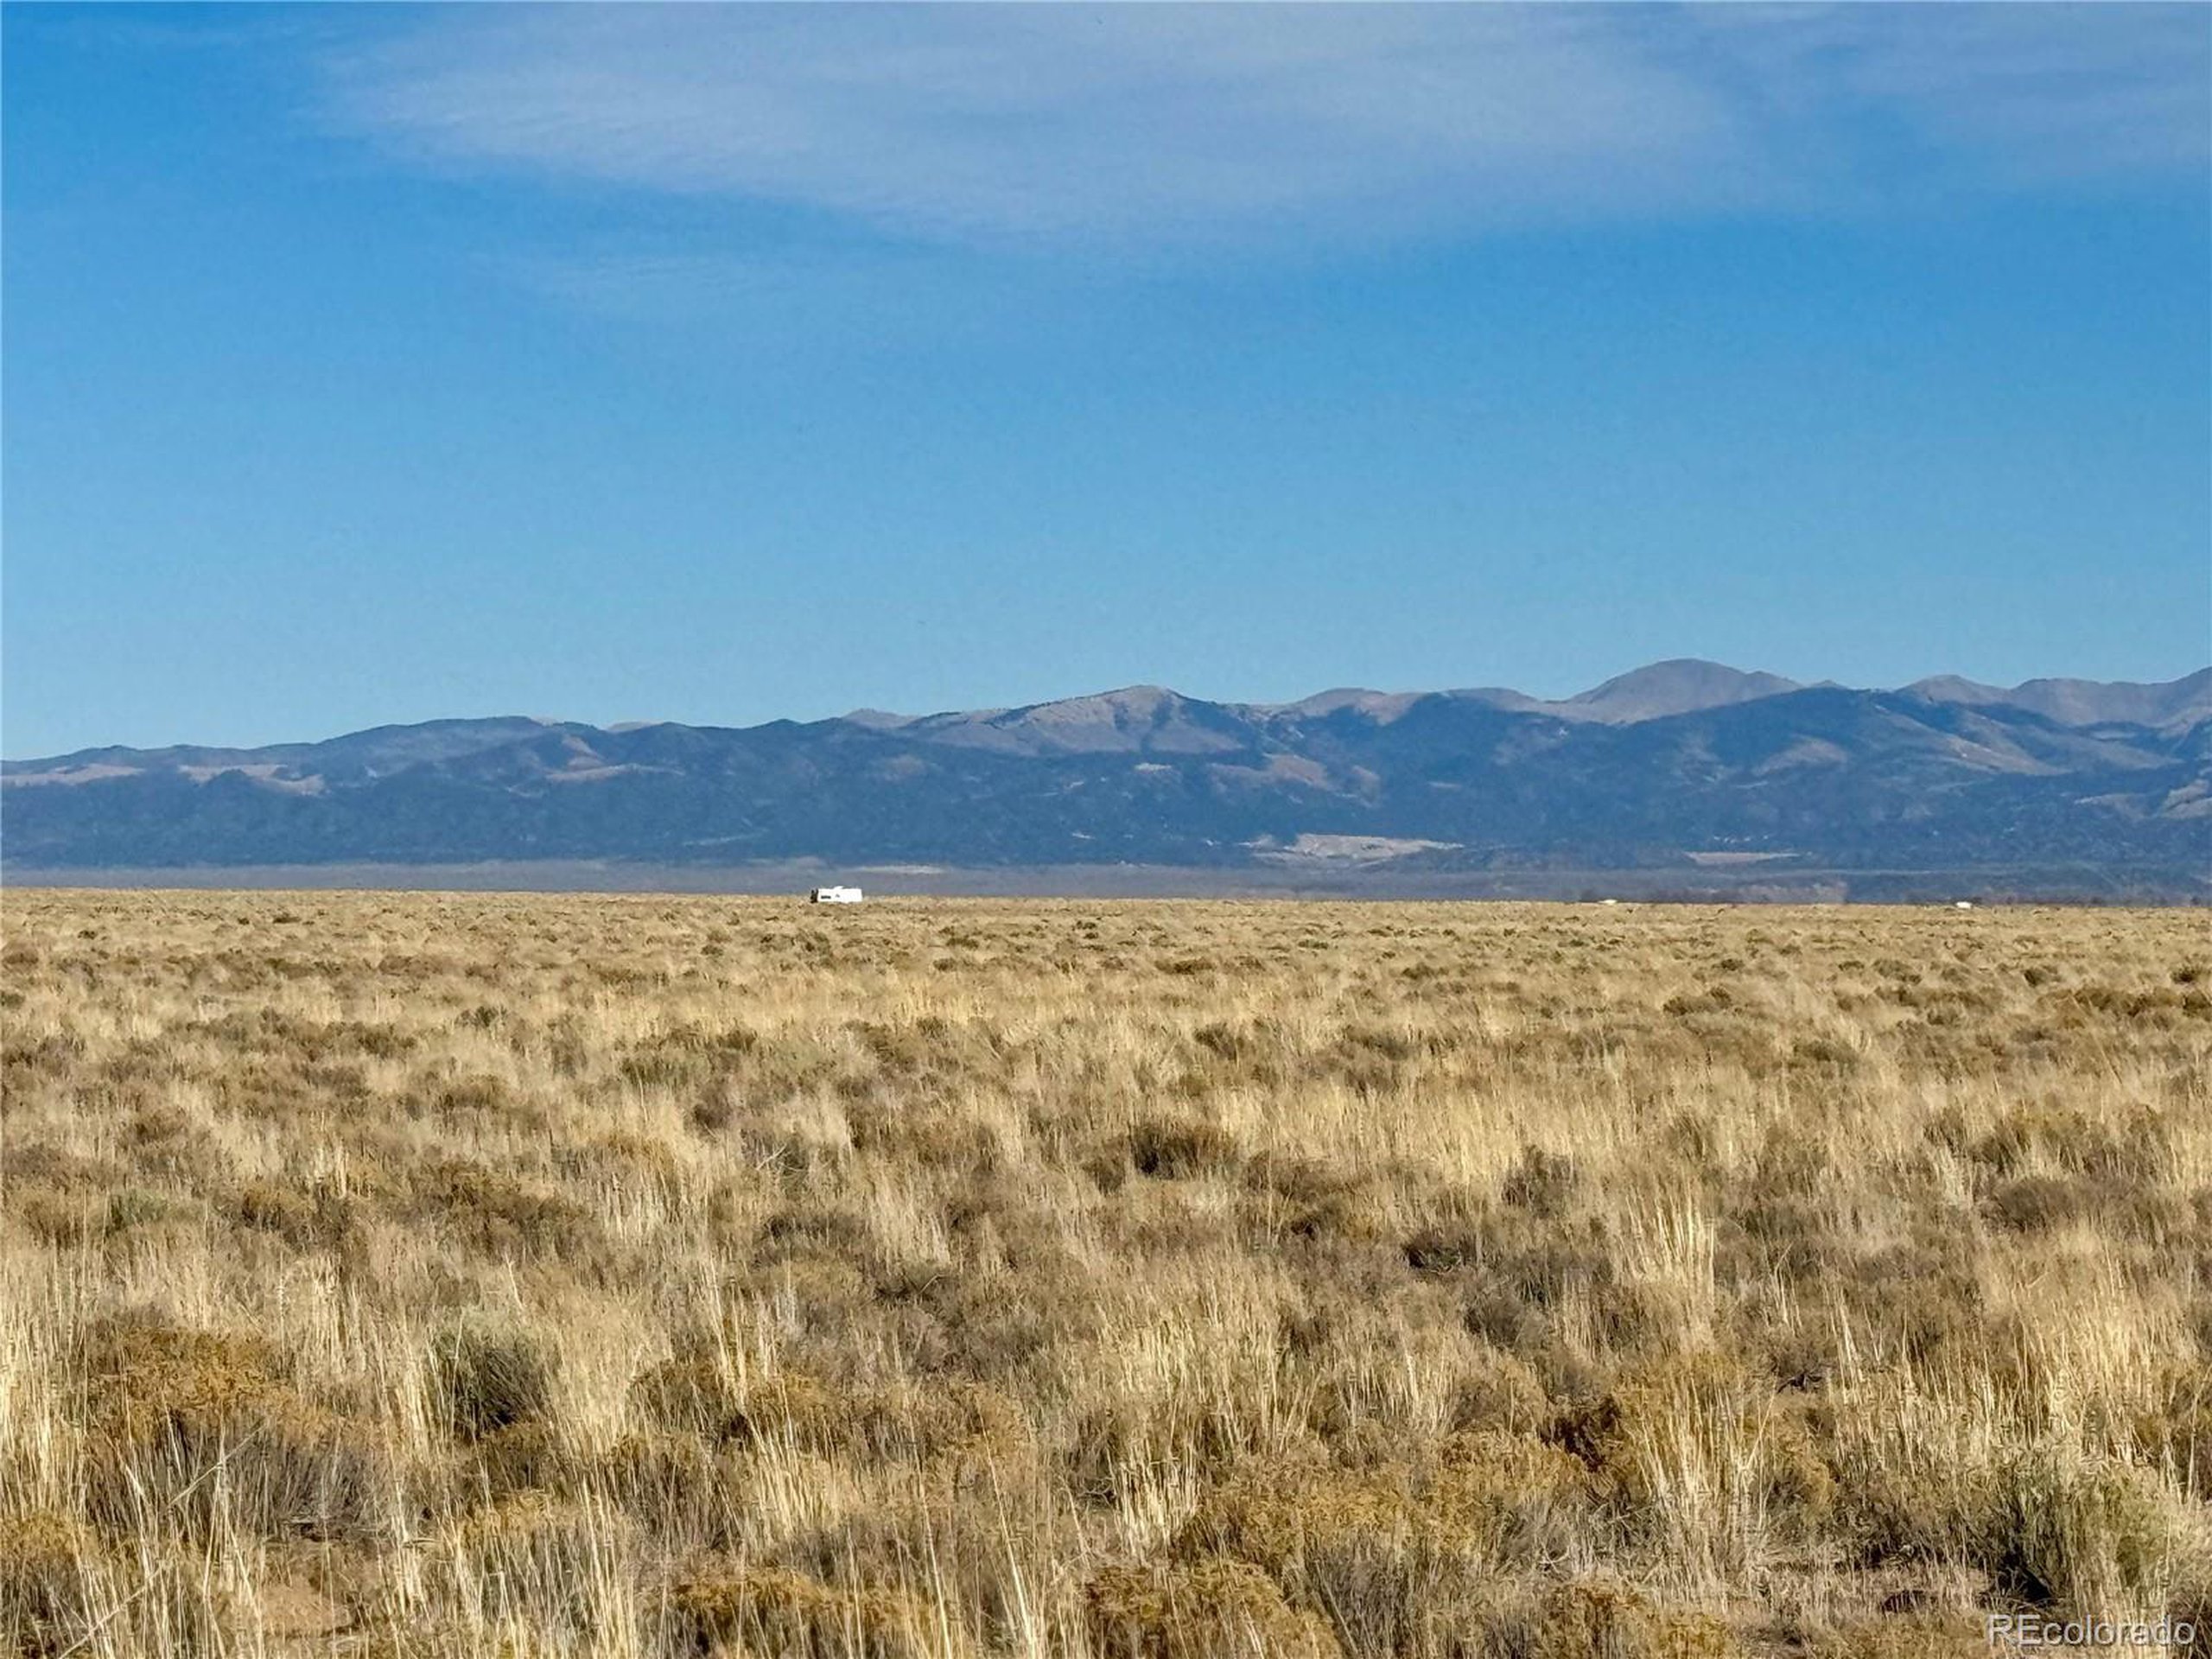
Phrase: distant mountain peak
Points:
(1680, 685)
(1133, 717)
(1141, 699)
(1382, 706)
(2171, 705)
(1656, 691)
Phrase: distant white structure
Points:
(1963, 904)
(834, 896)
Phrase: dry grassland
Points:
(445, 1275)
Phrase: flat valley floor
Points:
(625, 1275)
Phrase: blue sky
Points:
(366, 365)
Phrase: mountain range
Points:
(1684, 766)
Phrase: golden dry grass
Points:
(418, 1274)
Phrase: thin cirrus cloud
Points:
(1164, 125)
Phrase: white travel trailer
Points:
(834, 896)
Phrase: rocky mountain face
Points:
(1682, 763)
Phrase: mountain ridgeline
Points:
(1683, 766)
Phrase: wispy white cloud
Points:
(1163, 126)
(1999, 95)
(785, 298)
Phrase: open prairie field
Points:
(470, 1274)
